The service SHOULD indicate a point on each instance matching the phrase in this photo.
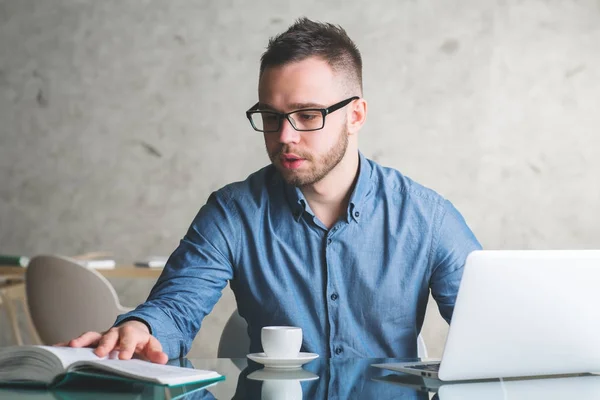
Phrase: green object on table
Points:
(19, 261)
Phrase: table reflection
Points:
(348, 378)
(585, 386)
(319, 379)
(574, 387)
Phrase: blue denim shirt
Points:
(359, 289)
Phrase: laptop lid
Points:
(525, 313)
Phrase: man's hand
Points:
(131, 337)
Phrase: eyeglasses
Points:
(307, 119)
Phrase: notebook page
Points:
(70, 355)
(144, 370)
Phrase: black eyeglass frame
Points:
(280, 116)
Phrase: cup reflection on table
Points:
(282, 383)
(283, 389)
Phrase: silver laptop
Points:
(521, 313)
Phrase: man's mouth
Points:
(291, 157)
(291, 161)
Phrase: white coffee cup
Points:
(281, 341)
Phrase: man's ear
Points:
(357, 115)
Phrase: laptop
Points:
(521, 313)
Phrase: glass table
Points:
(339, 378)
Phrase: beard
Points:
(320, 166)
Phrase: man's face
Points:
(304, 158)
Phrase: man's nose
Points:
(287, 133)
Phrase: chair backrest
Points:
(66, 299)
(421, 348)
(235, 342)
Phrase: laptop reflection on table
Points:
(566, 387)
(573, 387)
(519, 314)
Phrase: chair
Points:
(421, 348)
(66, 299)
(11, 292)
(235, 342)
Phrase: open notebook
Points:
(49, 366)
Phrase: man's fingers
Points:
(153, 352)
(87, 339)
(107, 343)
(154, 345)
(159, 358)
(128, 342)
(127, 339)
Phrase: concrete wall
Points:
(118, 118)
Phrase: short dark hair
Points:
(306, 38)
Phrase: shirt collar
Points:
(297, 201)
(295, 198)
(362, 188)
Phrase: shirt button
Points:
(329, 241)
(339, 350)
(333, 296)
(356, 214)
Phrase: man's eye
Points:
(308, 116)
(269, 117)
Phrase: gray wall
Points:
(118, 118)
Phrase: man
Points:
(323, 238)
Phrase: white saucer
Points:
(269, 374)
(282, 363)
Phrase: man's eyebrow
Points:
(263, 106)
(293, 106)
(298, 106)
